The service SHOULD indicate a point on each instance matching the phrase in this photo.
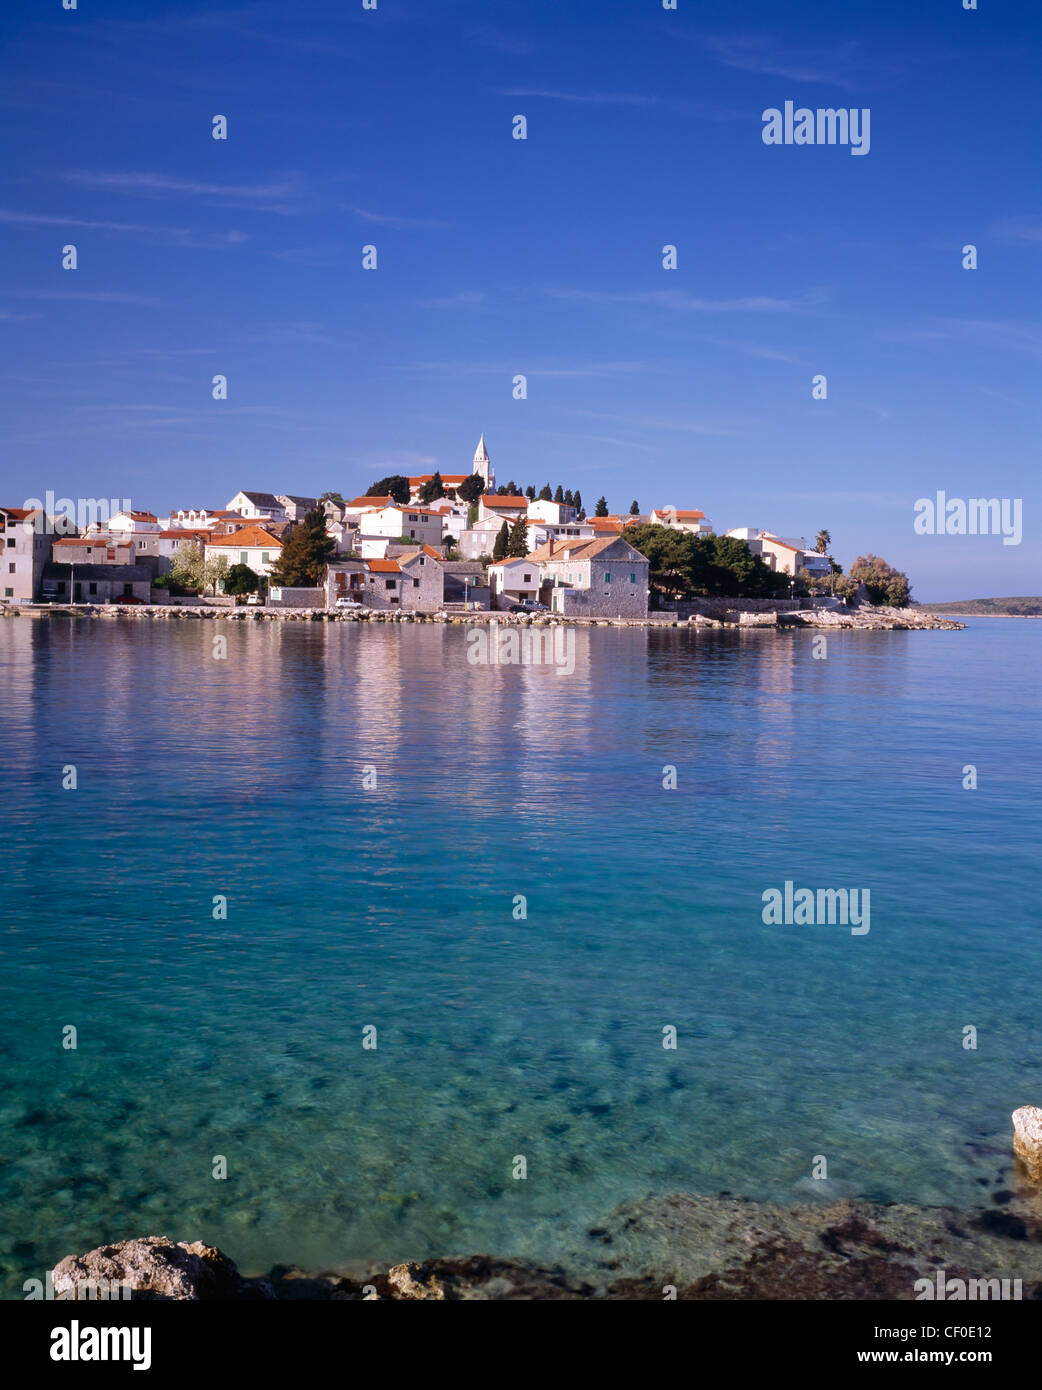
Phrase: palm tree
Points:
(822, 542)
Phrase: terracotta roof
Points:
(581, 548)
(493, 500)
(369, 502)
(177, 535)
(515, 559)
(384, 566)
(249, 536)
(140, 516)
(19, 513)
(449, 479)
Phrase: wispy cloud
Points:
(680, 301)
(510, 369)
(89, 296)
(761, 53)
(1025, 230)
(387, 219)
(1002, 333)
(147, 183)
(591, 98)
(181, 236)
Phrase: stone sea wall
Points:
(720, 613)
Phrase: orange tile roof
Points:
(251, 535)
(384, 566)
(493, 500)
(19, 513)
(581, 548)
(370, 502)
(449, 479)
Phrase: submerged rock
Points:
(1027, 1139)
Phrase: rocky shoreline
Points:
(674, 1246)
(866, 618)
(703, 1248)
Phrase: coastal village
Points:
(457, 542)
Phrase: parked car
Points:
(255, 601)
(350, 603)
(127, 598)
(528, 605)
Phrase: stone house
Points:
(26, 536)
(105, 583)
(600, 578)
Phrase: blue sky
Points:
(689, 388)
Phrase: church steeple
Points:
(483, 465)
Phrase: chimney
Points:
(549, 547)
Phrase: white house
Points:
(491, 507)
(512, 580)
(257, 506)
(25, 548)
(556, 513)
(251, 545)
(784, 554)
(693, 522)
(415, 523)
(143, 522)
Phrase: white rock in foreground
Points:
(1027, 1139)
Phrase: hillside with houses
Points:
(418, 544)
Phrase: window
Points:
(8, 593)
(242, 557)
(412, 535)
(415, 583)
(633, 579)
(527, 579)
(11, 567)
(390, 583)
(607, 579)
(264, 556)
(10, 542)
(128, 590)
(92, 588)
(61, 586)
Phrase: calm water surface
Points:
(497, 1037)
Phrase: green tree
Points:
(511, 489)
(240, 579)
(396, 486)
(334, 497)
(559, 495)
(577, 502)
(215, 568)
(302, 563)
(884, 584)
(517, 546)
(634, 508)
(545, 494)
(530, 492)
(569, 500)
(499, 550)
(601, 508)
(822, 542)
(187, 570)
(472, 514)
(471, 488)
(432, 489)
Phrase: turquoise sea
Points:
(393, 907)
